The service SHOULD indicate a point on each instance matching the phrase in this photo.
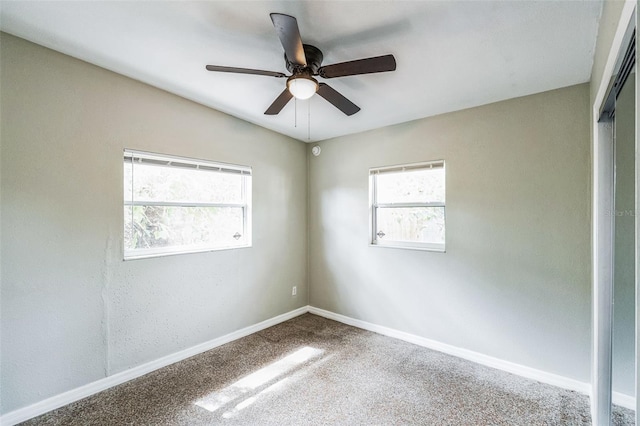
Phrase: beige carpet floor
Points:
(313, 371)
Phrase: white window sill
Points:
(148, 255)
(409, 247)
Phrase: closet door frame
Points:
(603, 234)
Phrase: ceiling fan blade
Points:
(279, 103)
(245, 71)
(287, 29)
(337, 100)
(359, 66)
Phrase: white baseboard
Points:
(73, 395)
(623, 400)
(30, 411)
(510, 367)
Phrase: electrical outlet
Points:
(294, 290)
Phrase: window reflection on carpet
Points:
(257, 379)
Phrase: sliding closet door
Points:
(624, 323)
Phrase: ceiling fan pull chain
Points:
(295, 112)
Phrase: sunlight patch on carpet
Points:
(257, 379)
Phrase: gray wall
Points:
(515, 280)
(72, 310)
(513, 284)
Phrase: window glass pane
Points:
(161, 226)
(127, 180)
(414, 224)
(414, 186)
(174, 184)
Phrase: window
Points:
(179, 205)
(408, 206)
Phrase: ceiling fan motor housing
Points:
(312, 54)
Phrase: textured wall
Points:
(515, 280)
(72, 310)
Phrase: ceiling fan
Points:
(304, 62)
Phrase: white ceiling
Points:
(450, 55)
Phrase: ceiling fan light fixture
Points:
(302, 87)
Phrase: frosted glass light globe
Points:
(302, 88)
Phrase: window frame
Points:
(178, 162)
(374, 241)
